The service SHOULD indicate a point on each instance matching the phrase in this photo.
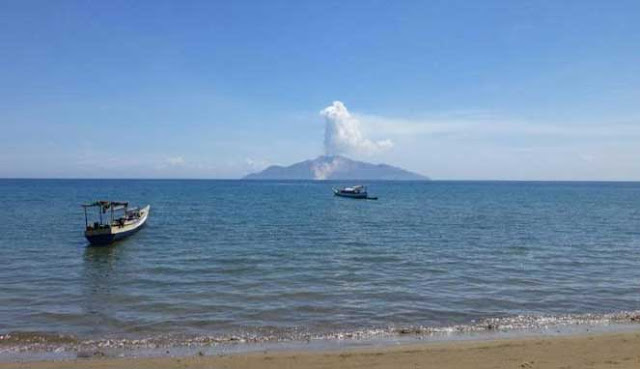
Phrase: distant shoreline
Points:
(573, 351)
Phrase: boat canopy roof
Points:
(353, 188)
(107, 204)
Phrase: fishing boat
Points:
(355, 192)
(116, 221)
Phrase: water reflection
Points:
(101, 281)
(100, 262)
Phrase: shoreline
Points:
(38, 346)
(593, 350)
(25, 347)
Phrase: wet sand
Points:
(620, 350)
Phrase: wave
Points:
(65, 345)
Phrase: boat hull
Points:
(108, 238)
(109, 235)
(362, 195)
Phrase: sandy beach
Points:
(621, 350)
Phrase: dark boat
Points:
(120, 223)
(355, 192)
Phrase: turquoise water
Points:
(289, 261)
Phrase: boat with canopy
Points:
(355, 192)
(115, 221)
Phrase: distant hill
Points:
(337, 167)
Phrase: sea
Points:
(225, 265)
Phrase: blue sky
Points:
(206, 89)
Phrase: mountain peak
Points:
(336, 167)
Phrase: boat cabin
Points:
(109, 214)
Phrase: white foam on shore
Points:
(40, 346)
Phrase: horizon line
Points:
(319, 181)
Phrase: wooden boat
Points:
(122, 221)
(355, 192)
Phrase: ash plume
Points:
(343, 135)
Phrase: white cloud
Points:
(175, 161)
(480, 145)
(493, 127)
(343, 134)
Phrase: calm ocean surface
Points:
(290, 260)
